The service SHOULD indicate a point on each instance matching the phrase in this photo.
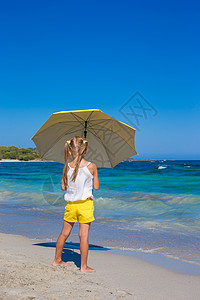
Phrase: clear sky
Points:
(68, 55)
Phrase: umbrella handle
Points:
(85, 130)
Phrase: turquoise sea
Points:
(147, 206)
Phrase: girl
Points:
(79, 177)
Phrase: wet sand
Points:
(26, 273)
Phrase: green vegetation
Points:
(13, 152)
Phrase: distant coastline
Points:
(44, 160)
(31, 160)
(140, 159)
(15, 154)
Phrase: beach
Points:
(81, 94)
(144, 242)
(22, 161)
(26, 273)
(45, 160)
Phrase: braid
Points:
(66, 152)
(77, 147)
(81, 150)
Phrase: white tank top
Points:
(81, 189)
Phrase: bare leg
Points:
(83, 235)
(66, 230)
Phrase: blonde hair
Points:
(77, 146)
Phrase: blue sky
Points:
(68, 55)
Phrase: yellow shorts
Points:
(79, 211)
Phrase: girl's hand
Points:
(93, 170)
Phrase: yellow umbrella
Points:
(109, 141)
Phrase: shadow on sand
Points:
(68, 254)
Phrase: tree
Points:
(13, 154)
(3, 149)
(12, 148)
(25, 151)
(7, 155)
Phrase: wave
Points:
(152, 211)
(34, 200)
(143, 222)
(162, 251)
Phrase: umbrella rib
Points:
(100, 141)
(110, 128)
(101, 123)
(106, 149)
(105, 129)
(56, 140)
(63, 135)
(89, 117)
(77, 118)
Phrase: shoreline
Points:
(17, 160)
(131, 159)
(26, 272)
(167, 262)
(43, 160)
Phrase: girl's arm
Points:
(62, 180)
(62, 185)
(96, 185)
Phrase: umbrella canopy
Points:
(109, 141)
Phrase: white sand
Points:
(17, 160)
(26, 273)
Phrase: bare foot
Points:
(87, 270)
(60, 263)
